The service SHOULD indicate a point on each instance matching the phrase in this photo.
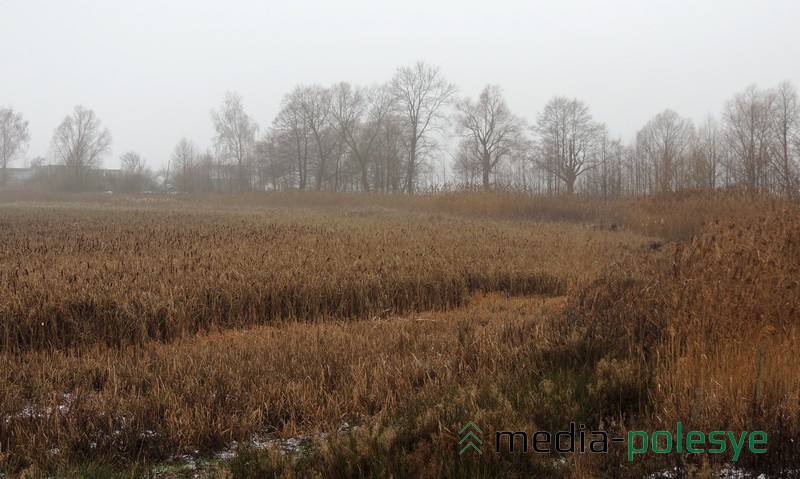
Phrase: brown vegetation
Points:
(716, 320)
(79, 277)
(134, 328)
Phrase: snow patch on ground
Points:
(727, 472)
(32, 411)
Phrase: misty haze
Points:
(357, 239)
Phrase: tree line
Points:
(414, 132)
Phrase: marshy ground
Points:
(288, 335)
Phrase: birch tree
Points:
(14, 138)
(236, 137)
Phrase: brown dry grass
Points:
(166, 324)
(119, 276)
(209, 390)
(716, 320)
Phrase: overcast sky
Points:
(153, 70)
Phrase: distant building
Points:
(221, 177)
(53, 175)
(15, 176)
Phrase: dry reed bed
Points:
(718, 320)
(205, 391)
(122, 276)
(709, 326)
(674, 216)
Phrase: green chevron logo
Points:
(469, 438)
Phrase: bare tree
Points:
(567, 137)
(80, 143)
(184, 158)
(135, 172)
(665, 142)
(638, 174)
(315, 105)
(422, 93)
(710, 155)
(466, 165)
(14, 138)
(275, 161)
(293, 138)
(236, 136)
(488, 129)
(607, 179)
(522, 167)
(359, 114)
(131, 162)
(273, 170)
(207, 173)
(748, 131)
(388, 172)
(785, 123)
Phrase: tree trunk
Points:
(486, 167)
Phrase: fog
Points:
(153, 70)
